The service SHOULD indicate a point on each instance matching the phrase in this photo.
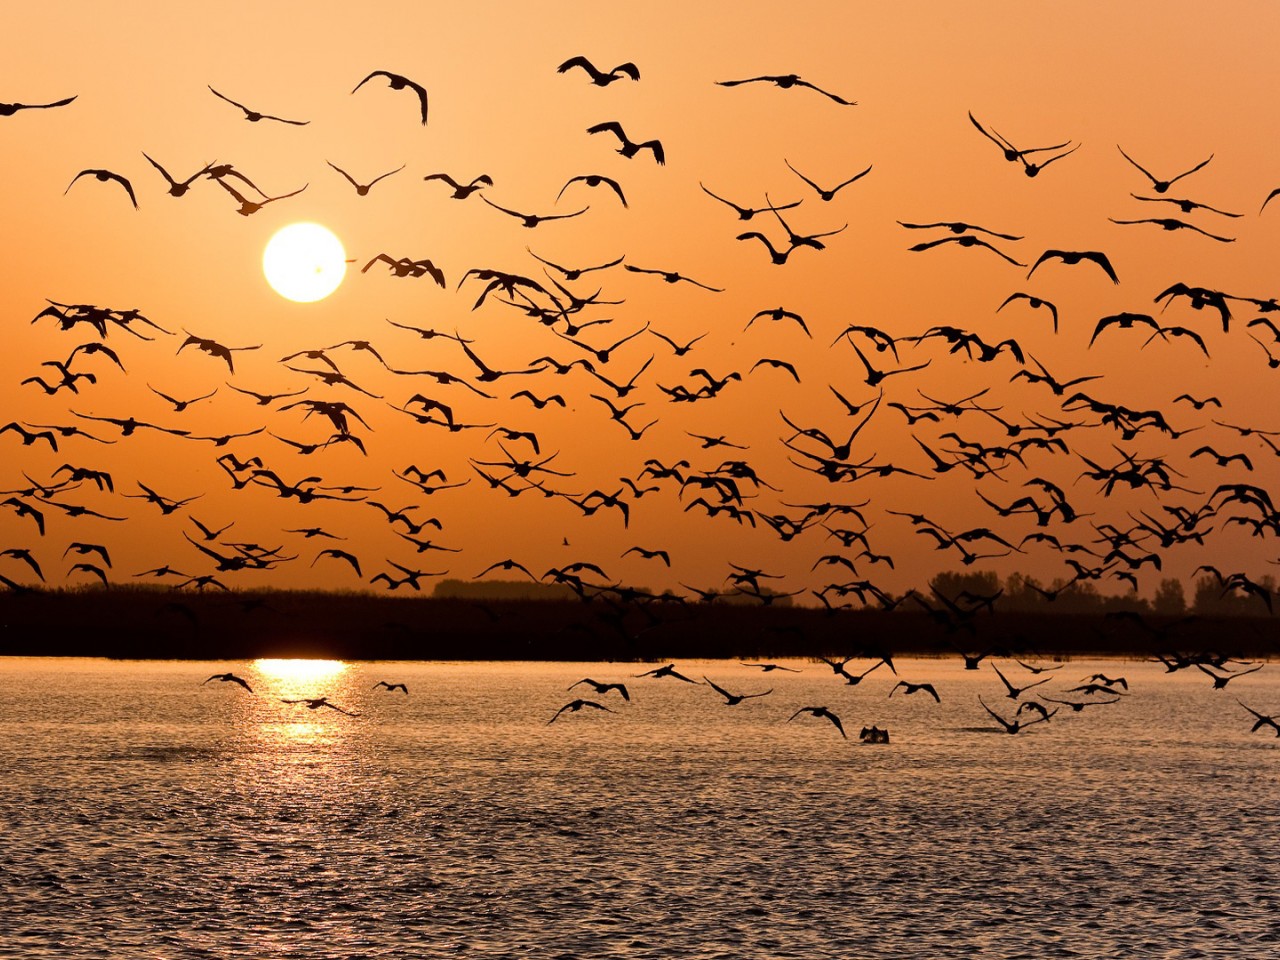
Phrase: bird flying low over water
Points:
(231, 678)
(909, 688)
(821, 712)
(668, 671)
(1014, 726)
(1262, 720)
(600, 687)
(733, 699)
(315, 703)
(392, 687)
(573, 706)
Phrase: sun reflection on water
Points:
(293, 726)
(297, 670)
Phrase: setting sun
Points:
(304, 262)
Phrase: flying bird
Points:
(600, 687)
(909, 688)
(462, 190)
(1073, 257)
(362, 189)
(733, 699)
(397, 82)
(1158, 185)
(247, 206)
(315, 703)
(104, 176)
(1035, 303)
(1172, 223)
(9, 109)
(821, 712)
(574, 706)
(627, 147)
(786, 81)
(253, 116)
(178, 188)
(599, 77)
(594, 180)
(231, 678)
(668, 671)
(746, 213)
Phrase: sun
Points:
(304, 262)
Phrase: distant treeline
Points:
(524, 621)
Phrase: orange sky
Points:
(1172, 83)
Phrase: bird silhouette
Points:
(392, 687)
(1171, 223)
(1013, 693)
(315, 703)
(746, 213)
(362, 189)
(462, 190)
(597, 76)
(397, 82)
(573, 706)
(786, 81)
(9, 109)
(178, 188)
(821, 712)
(1014, 155)
(668, 671)
(600, 687)
(1158, 185)
(1073, 257)
(253, 116)
(231, 678)
(627, 147)
(532, 219)
(826, 193)
(910, 688)
(105, 176)
(594, 180)
(1015, 726)
(1262, 720)
(247, 206)
(733, 699)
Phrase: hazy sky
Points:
(1171, 83)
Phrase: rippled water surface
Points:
(145, 814)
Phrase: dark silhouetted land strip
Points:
(150, 623)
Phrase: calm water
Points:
(145, 815)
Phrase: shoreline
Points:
(145, 624)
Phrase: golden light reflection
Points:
(294, 725)
(299, 671)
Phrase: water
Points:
(145, 814)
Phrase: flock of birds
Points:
(1002, 455)
(1027, 693)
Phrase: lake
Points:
(144, 813)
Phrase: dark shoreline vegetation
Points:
(477, 623)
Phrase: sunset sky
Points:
(1171, 84)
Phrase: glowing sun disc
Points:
(304, 262)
